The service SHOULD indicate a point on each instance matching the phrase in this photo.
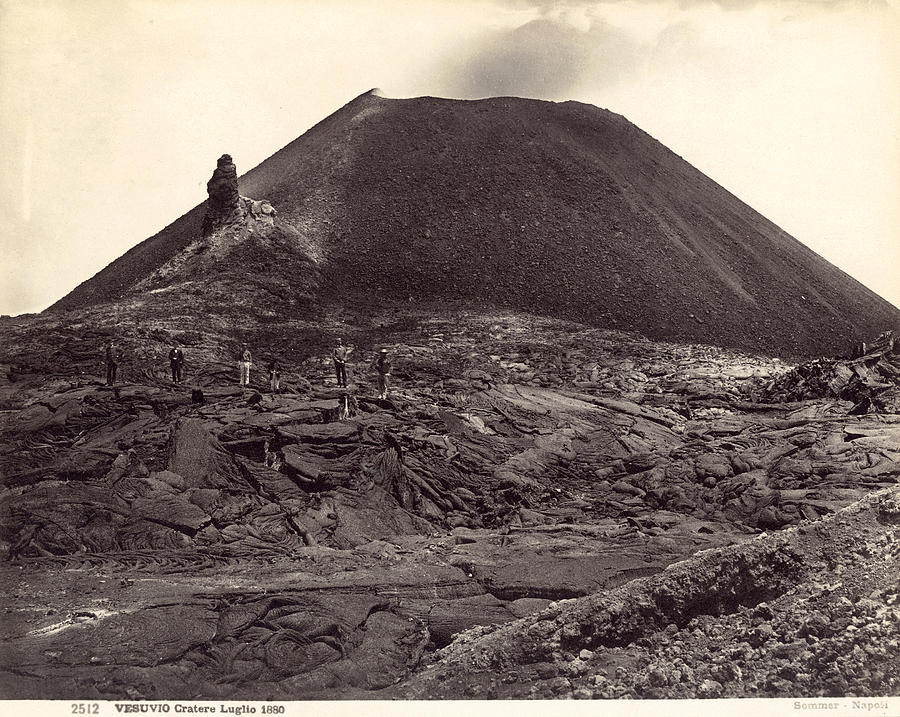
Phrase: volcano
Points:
(559, 209)
(538, 508)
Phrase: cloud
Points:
(544, 58)
(545, 7)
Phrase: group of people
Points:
(340, 356)
(245, 361)
(113, 356)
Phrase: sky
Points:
(113, 112)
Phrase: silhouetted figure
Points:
(382, 365)
(245, 361)
(113, 359)
(340, 355)
(176, 361)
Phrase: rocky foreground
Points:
(539, 510)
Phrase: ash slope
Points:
(558, 209)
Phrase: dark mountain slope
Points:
(303, 168)
(559, 209)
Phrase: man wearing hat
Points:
(339, 355)
(113, 359)
(176, 362)
(383, 366)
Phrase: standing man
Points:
(274, 376)
(245, 360)
(113, 358)
(340, 355)
(176, 361)
(383, 366)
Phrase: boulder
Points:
(172, 511)
(169, 478)
(527, 606)
(338, 432)
(453, 616)
(33, 418)
(713, 465)
(267, 420)
(197, 456)
(308, 465)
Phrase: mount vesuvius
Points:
(561, 209)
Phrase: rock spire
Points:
(225, 205)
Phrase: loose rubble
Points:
(868, 380)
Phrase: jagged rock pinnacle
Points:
(224, 205)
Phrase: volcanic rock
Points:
(709, 523)
(226, 207)
(224, 204)
(198, 458)
(871, 380)
(449, 509)
(559, 209)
